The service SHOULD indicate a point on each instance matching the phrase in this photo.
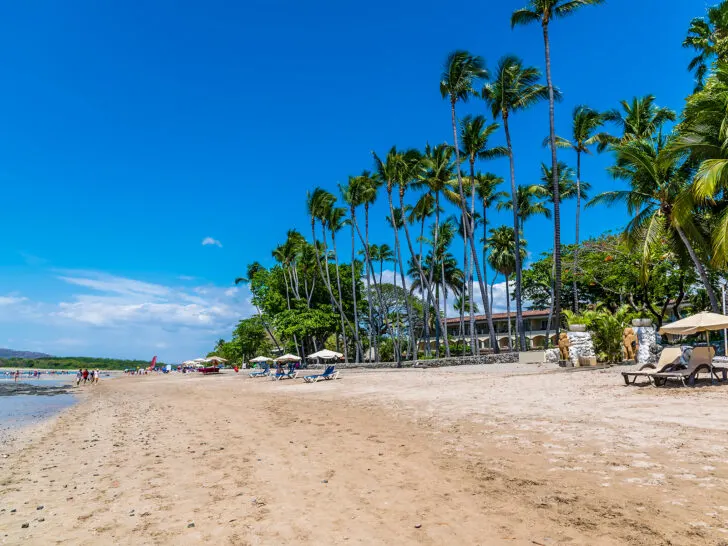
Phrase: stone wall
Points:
(581, 345)
(501, 358)
(649, 344)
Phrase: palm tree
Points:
(460, 72)
(584, 134)
(543, 12)
(474, 135)
(251, 271)
(658, 179)
(514, 88)
(423, 209)
(319, 204)
(351, 193)
(502, 258)
(639, 118)
(707, 36)
(528, 199)
(703, 133)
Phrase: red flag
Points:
(153, 363)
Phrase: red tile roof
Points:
(526, 314)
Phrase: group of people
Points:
(85, 375)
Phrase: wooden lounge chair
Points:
(701, 361)
(329, 373)
(261, 373)
(670, 359)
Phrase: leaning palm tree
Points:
(543, 12)
(460, 73)
(658, 180)
(585, 126)
(502, 258)
(708, 36)
(514, 87)
(474, 135)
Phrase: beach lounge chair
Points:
(329, 373)
(291, 373)
(261, 373)
(670, 359)
(701, 361)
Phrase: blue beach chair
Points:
(329, 373)
(261, 373)
(291, 373)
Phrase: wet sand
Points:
(504, 454)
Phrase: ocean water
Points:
(29, 401)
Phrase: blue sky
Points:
(133, 131)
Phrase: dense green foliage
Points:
(671, 175)
(74, 363)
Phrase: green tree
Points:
(585, 125)
(514, 88)
(544, 12)
(460, 72)
(708, 37)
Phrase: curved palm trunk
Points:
(516, 226)
(555, 184)
(395, 229)
(417, 261)
(353, 287)
(471, 238)
(426, 310)
(463, 292)
(408, 306)
(700, 269)
(444, 308)
(327, 280)
(341, 300)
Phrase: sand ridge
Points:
(504, 454)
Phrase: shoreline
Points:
(492, 454)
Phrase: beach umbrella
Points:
(215, 359)
(288, 358)
(261, 359)
(702, 322)
(325, 354)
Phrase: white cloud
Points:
(11, 300)
(210, 241)
(108, 315)
(185, 278)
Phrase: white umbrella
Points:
(215, 359)
(325, 354)
(261, 359)
(288, 358)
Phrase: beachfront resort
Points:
(453, 288)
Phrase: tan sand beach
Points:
(501, 454)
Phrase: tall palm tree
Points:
(474, 135)
(639, 118)
(319, 204)
(514, 88)
(502, 258)
(460, 73)
(658, 179)
(336, 221)
(708, 37)
(397, 170)
(423, 209)
(351, 193)
(543, 12)
(585, 125)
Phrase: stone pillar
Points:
(649, 344)
(581, 345)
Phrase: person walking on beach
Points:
(97, 374)
(79, 376)
(85, 375)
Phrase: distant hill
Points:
(72, 362)
(10, 353)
